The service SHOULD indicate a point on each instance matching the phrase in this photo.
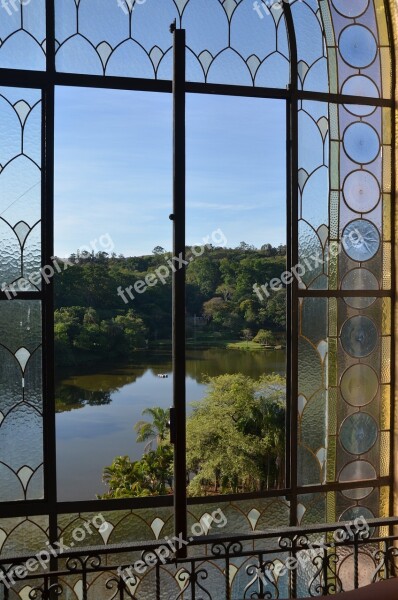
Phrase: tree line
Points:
(92, 322)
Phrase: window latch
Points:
(171, 426)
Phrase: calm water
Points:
(98, 410)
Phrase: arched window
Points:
(331, 62)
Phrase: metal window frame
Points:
(46, 81)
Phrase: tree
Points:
(247, 334)
(235, 435)
(265, 338)
(157, 429)
(150, 476)
(158, 250)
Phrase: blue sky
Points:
(113, 169)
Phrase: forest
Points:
(94, 324)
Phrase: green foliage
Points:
(93, 323)
(235, 436)
(265, 338)
(150, 476)
(235, 442)
(157, 429)
(80, 334)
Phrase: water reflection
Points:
(97, 410)
(74, 391)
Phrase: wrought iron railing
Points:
(290, 563)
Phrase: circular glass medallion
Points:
(361, 240)
(359, 279)
(351, 8)
(360, 515)
(359, 385)
(362, 87)
(357, 45)
(359, 470)
(361, 143)
(359, 336)
(361, 191)
(358, 433)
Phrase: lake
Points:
(97, 408)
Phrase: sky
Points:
(113, 170)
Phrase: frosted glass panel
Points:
(20, 189)
(227, 42)
(21, 420)
(22, 35)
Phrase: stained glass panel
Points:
(20, 189)
(21, 422)
(23, 35)
(227, 42)
(23, 535)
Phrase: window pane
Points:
(20, 189)
(112, 329)
(226, 42)
(236, 326)
(23, 35)
(21, 407)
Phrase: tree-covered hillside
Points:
(92, 321)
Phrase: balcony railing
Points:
(290, 563)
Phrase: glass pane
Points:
(113, 176)
(21, 410)
(311, 56)
(236, 296)
(23, 536)
(23, 35)
(20, 190)
(344, 394)
(227, 42)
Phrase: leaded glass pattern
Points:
(312, 64)
(246, 517)
(23, 535)
(313, 180)
(20, 188)
(122, 526)
(227, 41)
(351, 430)
(345, 212)
(23, 35)
(21, 404)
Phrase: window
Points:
(330, 63)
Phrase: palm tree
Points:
(155, 430)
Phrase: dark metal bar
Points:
(293, 196)
(288, 446)
(393, 442)
(50, 462)
(39, 507)
(36, 79)
(345, 293)
(178, 217)
(22, 296)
